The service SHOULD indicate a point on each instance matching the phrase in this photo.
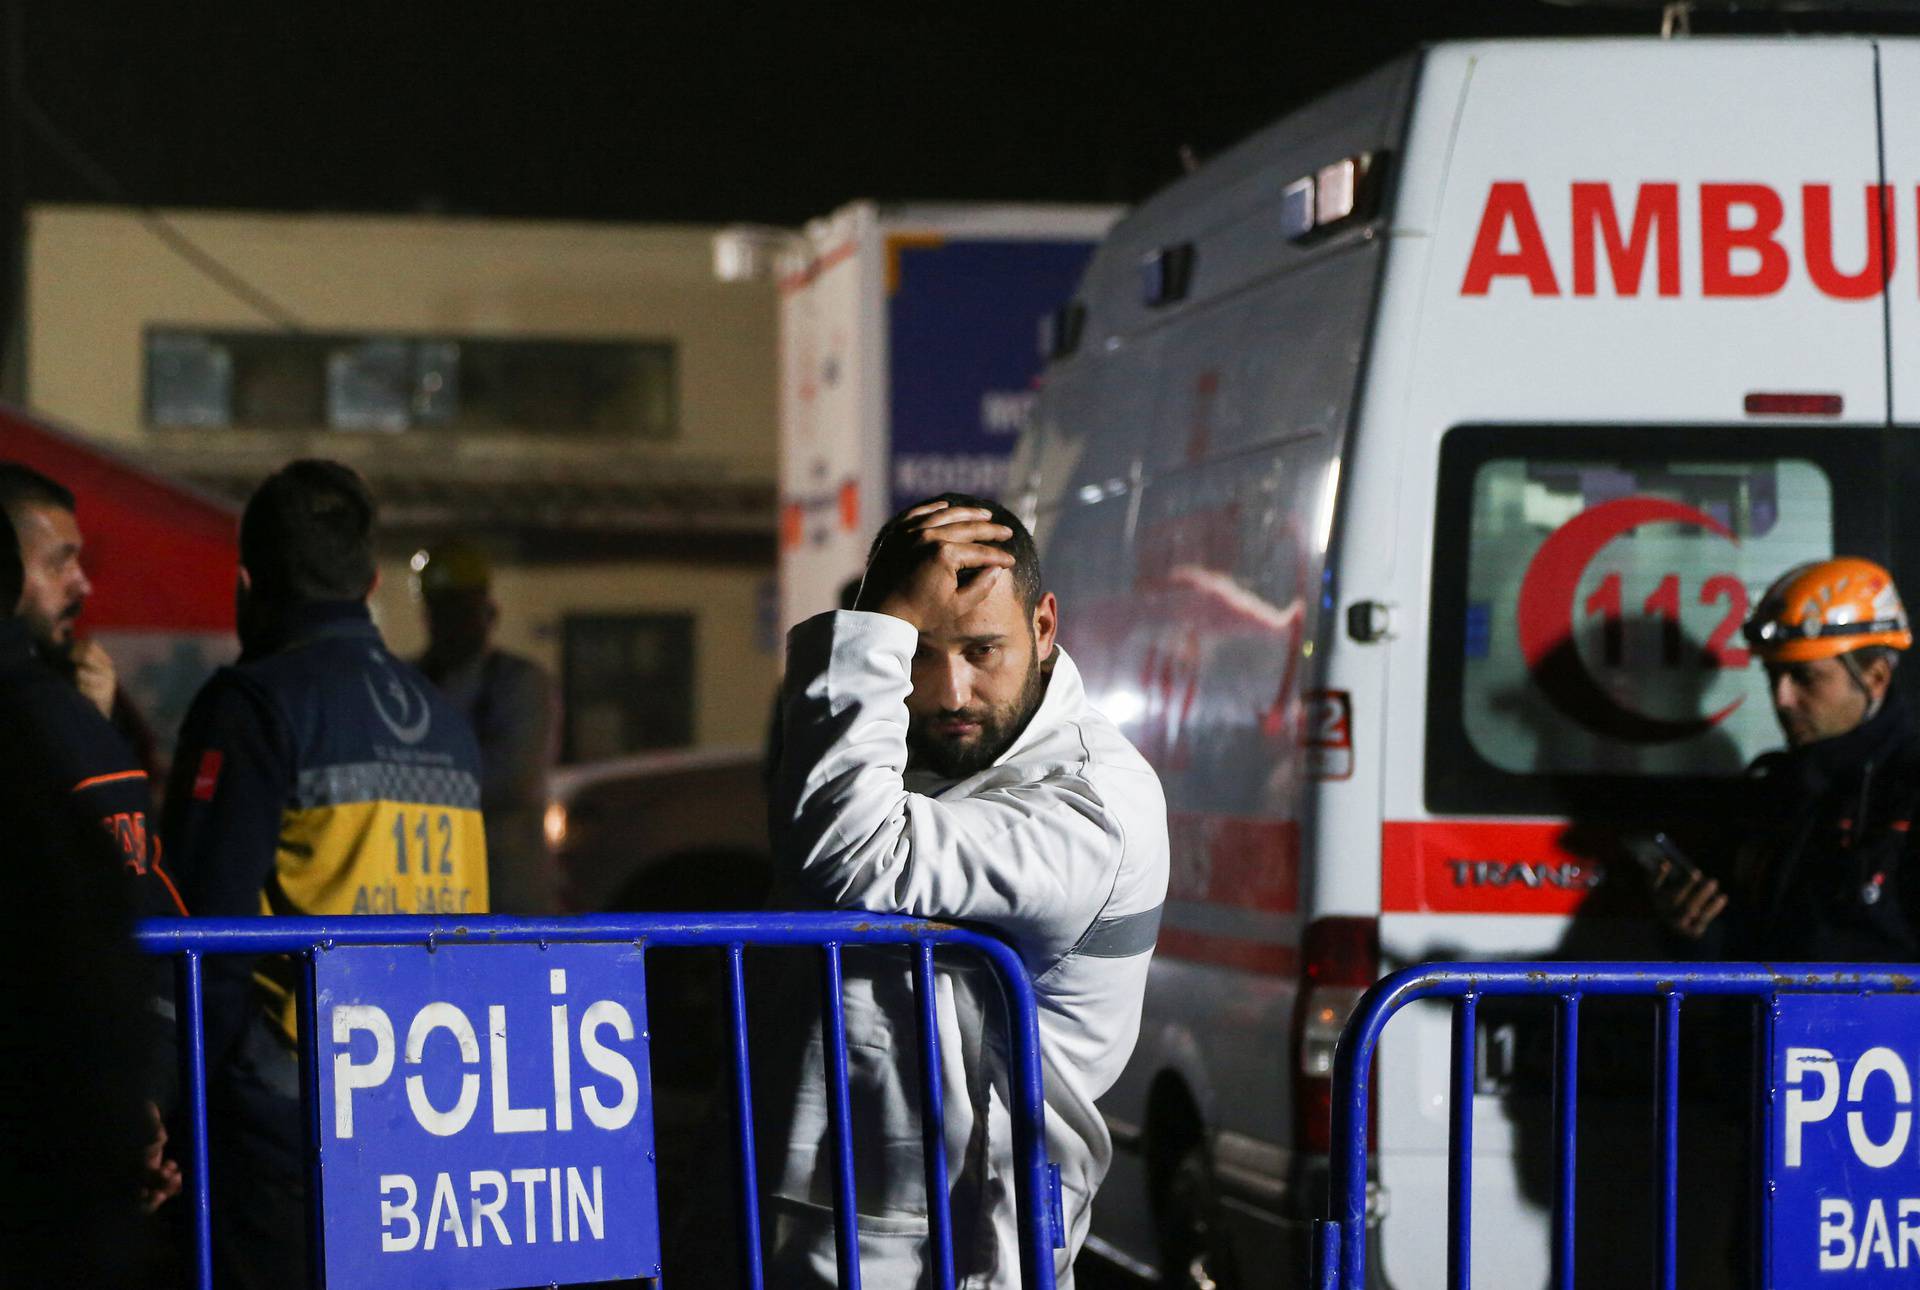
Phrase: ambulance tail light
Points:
(1340, 958)
(1781, 403)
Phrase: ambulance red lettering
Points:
(1508, 204)
(1656, 224)
(1741, 251)
(1720, 238)
(1817, 218)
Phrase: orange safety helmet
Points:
(1825, 609)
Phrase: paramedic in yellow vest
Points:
(508, 700)
(320, 774)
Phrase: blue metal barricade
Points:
(191, 940)
(1340, 1244)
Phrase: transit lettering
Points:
(1565, 875)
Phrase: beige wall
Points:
(97, 277)
(733, 676)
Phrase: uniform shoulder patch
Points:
(207, 778)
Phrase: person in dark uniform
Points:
(1829, 872)
(72, 1123)
(320, 774)
(55, 588)
(1821, 863)
(86, 770)
(86, 764)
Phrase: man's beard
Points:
(999, 727)
(54, 636)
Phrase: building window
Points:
(301, 381)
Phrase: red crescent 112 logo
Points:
(1549, 603)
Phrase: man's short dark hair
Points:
(1027, 583)
(13, 576)
(22, 485)
(307, 534)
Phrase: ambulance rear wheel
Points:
(1194, 1253)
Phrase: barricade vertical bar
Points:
(194, 1028)
(1347, 1162)
(1460, 1150)
(1032, 1176)
(752, 1273)
(1326, 1254)
(1567, 1094)
(840, 1113)
(933, 1119)
(1758, 1118)
(1666, 1249)
(309, 1055)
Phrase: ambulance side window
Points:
(1589, 589)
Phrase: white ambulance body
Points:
(1405, 474)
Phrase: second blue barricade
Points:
(1836, 1188)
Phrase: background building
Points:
(586, 401)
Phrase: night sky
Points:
(679, 111)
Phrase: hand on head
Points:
(935, 565)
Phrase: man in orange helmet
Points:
(1829, 875)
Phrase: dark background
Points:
(656, 110)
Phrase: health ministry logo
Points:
(401, 705)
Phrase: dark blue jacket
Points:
(322, 774)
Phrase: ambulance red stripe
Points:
(1243, 861)
(1482, 867)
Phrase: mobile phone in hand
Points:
(1663, 860)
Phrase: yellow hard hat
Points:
(454, 565)
(1828, 608)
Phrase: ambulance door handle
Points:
(1369, 621)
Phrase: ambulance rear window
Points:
(1589, 586)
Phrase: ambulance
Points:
(1405, 474)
